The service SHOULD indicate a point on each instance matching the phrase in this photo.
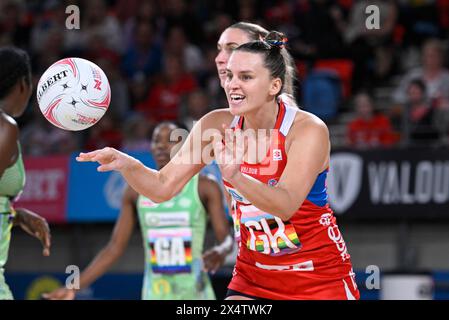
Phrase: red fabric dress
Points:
(302, 258)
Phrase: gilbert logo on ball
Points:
(73, 94)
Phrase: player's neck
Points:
(263, 117)
(5, 107)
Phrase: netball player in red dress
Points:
(290, 246)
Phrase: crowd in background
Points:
(159, 59)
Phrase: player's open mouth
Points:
(237, 98)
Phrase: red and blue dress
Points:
(304, 257)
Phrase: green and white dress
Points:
(173, 235)
(11, 184)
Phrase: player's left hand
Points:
(229, 155)
(36, 226)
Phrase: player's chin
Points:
(222, 79)
(237, 110)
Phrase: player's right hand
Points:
(213, 260)
(109, 159)
(60, 294)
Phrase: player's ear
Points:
(276, 86)
(24, 84)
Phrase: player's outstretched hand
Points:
(109, 159)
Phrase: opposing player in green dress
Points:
(15, 91)
(173, 236)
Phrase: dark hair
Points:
(419, 83)
(256, 33)
(14, 64)
(276, 58)
(178, 125)
(167, 123)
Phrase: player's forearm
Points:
(20, 216)
(100, 265)
(147, 182)
(273, 200)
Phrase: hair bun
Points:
(276, 39)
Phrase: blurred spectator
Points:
(222, 8)
(147, 12)
(214, 27)
(106, 133)
(95, 22)
(436, 80)
(247, 11)
(127, 9)
(179, 13)
(369, 129)
(50, 22)
(144, 54)
(136, 134)
(280, 12)
(35, 135)
(319, 31)
(15, 23)
(51, 51)
(165, 96)
(209, 80)
(63, 142)
(432, 72)
(420, 21)
(280, 15)
(371, 49)
(40, 138)
(418, 116)
(196, 106)
(177, 44)
(138, 90)
(443, 15)
(109, 63)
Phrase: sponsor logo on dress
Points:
(325, 219)
(277, 155)
(335, 235)
(167, 219)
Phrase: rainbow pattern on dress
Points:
(252, 214)
(281, 244)
(236, 222)
(167, 235)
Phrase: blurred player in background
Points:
(243, 32)
(173, 234)
(15, 91)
